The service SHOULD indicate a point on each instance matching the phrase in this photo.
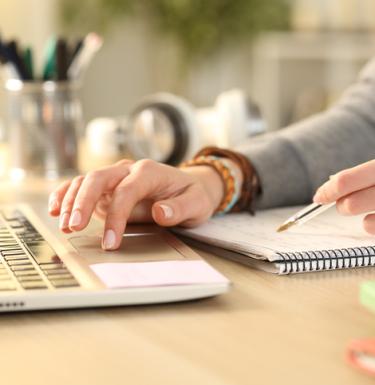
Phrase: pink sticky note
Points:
(163, 273)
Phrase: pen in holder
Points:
(44, 116)
(43, 124)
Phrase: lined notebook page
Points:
(257, 236)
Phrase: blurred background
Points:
(294, 57)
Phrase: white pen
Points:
(9, 72)
(91, 44)
(304, 215)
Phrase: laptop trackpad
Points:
(135, 247)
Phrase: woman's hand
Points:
(139, 191)
(354, 192)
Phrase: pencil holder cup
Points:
(43, 123)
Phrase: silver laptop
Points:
(39, 269)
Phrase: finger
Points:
(126, 195)
(56, 198)
(345, 182)
(190, 208)
(101, 207)
(68, 202)
(93, 187)
(142, 212)
(359, 202)
(369, 223)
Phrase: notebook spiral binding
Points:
(299, 262)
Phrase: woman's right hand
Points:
(141, 191)
(353, 190)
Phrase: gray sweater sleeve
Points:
(293, 162)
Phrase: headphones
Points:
(169, 129)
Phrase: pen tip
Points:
(285, 226)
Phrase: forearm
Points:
(293, 162)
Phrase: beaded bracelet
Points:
(227, 174)
(251, 187)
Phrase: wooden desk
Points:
(267, 330)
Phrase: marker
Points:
(28, 62)
(61, 60)
(50, 60)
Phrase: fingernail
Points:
(64, 221)
(109, 239)
(168, 211)
(317, 197)
(75, 219)
(53, 205)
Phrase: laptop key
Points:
(11, 214)
(17, 257)
(56, 277)
(10, 248)
(14, 251)
(34, 285)
(22, 273)
(61, 283)
(22, 267)
(29, 278)
(20, 262)
(53, 266)
(43, 253)
(56, 272)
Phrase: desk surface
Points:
(266, 330)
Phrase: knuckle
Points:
(78, 179)
(124, 189)
(124, 162)
(94, 175)
(145, 165)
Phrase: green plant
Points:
(199, 26)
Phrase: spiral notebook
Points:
(327, 242)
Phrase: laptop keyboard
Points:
(27, 261)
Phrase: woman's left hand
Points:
(353, 190)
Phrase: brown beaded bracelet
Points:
(232, 190)
(250, 186)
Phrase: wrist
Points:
(211, 181)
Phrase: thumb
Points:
(190, 208)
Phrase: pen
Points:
(75, 51)
(28, 62)
(61, 60)
(50, 59)
(304, 215)
(10, 56)
(91, 44)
